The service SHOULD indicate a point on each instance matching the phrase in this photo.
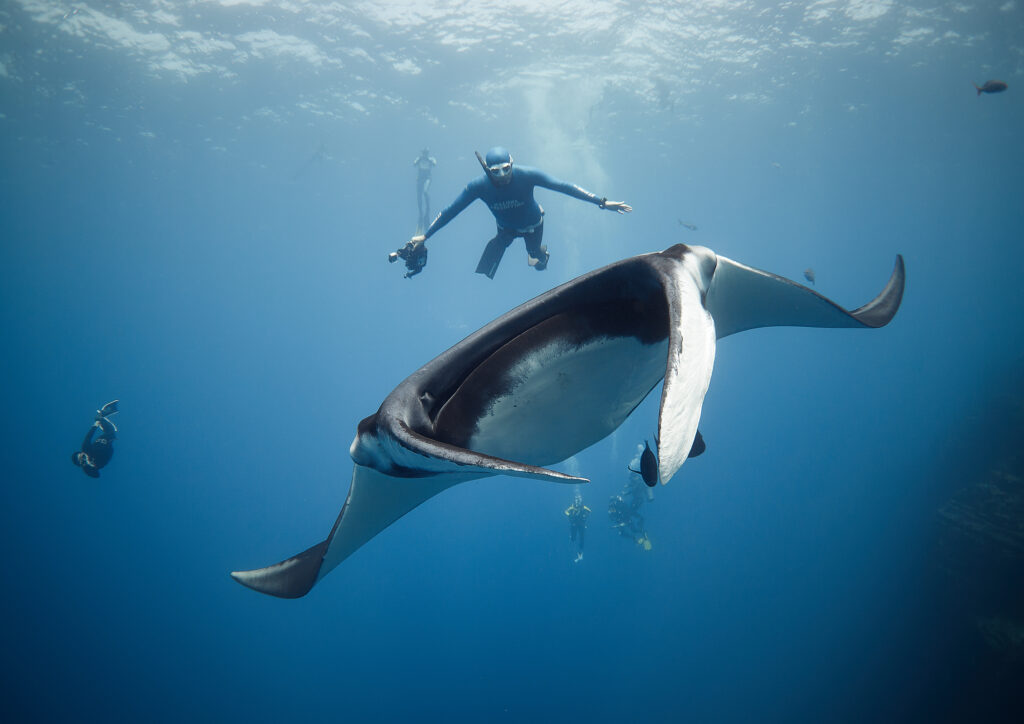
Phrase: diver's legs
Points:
(108, 428)
(538, 253)
(420, 227)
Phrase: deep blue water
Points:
(197, 207)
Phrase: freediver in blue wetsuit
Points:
(508, 194)
(424, 164)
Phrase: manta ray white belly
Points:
(562, 398)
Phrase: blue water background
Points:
(211, 250)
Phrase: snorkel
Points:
(484, 165)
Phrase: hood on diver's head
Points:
(497, 155)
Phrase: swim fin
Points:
(542, 263)
(491, 257)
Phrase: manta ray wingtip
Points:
(881, 310)
(291, 578)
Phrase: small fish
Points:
(809, 275)
(691, 227)
(649, 462)
(991, 86)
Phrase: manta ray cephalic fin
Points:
(691, 357)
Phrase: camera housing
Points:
(414, 255)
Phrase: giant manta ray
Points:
(555, 375)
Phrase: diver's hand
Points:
(418, 239)
(618, 206)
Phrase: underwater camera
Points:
(414, 255)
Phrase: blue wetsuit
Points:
(515, 210)
(424, 165)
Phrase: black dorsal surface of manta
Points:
(552, 377)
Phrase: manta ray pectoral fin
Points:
(741, 297)
(711, 297)
(691, 358)
(423, 468)
(374, 502)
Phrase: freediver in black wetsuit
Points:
(97, 450)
